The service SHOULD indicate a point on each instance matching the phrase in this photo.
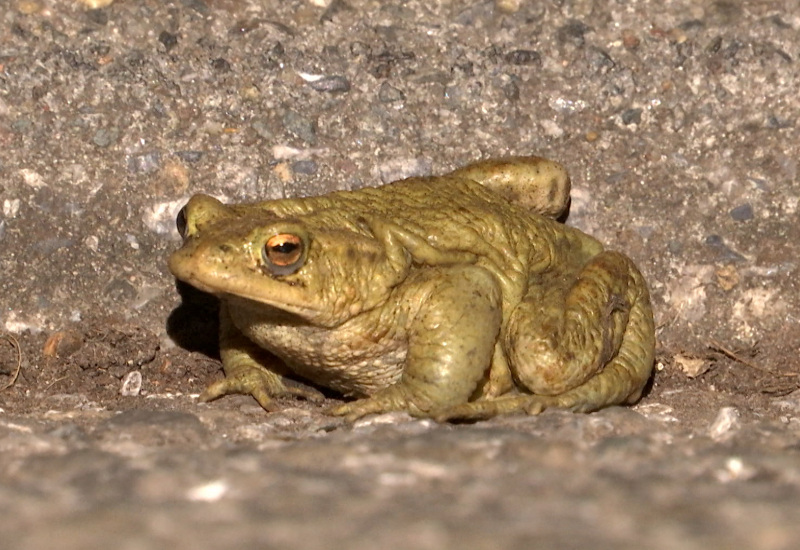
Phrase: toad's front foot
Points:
(262, 384)
(393, 398)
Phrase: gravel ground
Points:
(679, 123)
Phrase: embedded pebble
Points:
(573, 32)
(725, 424)
(208, 492)
(511, 88)
(11, 208)
(221, 65)
(551, 128)
(144, 163)
(307, 167)
(389, 94)
(742, 213)
(599, 60)
(631, 116)
(261, 127)
(332, 84)
(131, 384)
(717, 244)
(168, 40)
(105, 136)
(189, 156)
(523, 57)
(300, 126)
(401, 168)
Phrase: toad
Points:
(452, 297)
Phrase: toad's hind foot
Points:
(483, 410)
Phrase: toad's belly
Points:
(349, 361)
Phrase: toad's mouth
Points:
(250, 289)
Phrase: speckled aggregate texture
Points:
(678, 122)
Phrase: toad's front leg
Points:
(250, 370)
(454, 322)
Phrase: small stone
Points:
(189, 156)
(168, 40)
(273, 58)
(98, 17)
(105, 136)
(197, 5)
(173, 176)
(742, 213)
(92, 243)
(401, 168)
(360, 49)
(131, 384)
(22, 125)
(511, 88)
(11, 208)
(508, 6)
(573, 32)
(631, 116)
(551, 128)
(657, 411)
(714, 46)
(727, 277)
(250, 93)
(300, 126)
(283, 172)
(629, 39)
(335, 7)
(390, 418)
(28, 7)
(389, 94)
(599, 59)
(523, 57)
(335, 84)
(725, 424)
(677, 35)
(735, 469)
(678, 118)
(208, 492)
(261, 127)
(221, 65)
(62, 344)
(717, 244)
(307, 167)
(777, 122)
(692, 367)
(144, 163)
(95, 4)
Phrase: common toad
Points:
(453, 297)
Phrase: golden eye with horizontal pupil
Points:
(283, 253)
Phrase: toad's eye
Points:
(181, 223)
(283, 254)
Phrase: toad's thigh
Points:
(560, 336)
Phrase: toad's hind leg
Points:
(584, 350)
(538, 184)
